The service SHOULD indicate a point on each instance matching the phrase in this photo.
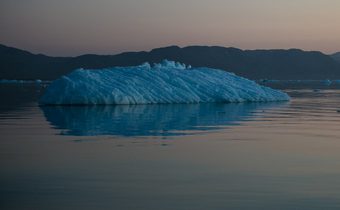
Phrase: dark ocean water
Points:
(199, 156)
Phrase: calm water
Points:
(208, 156)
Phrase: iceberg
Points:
(168, 82)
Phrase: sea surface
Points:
(199, 156)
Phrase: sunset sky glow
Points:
(74, 27)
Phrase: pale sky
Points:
(74, 27)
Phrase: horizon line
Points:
(169, 46)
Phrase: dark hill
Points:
(253, 64)
(336, 56)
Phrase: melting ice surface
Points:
(167, 82)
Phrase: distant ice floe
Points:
(326, 82)
(8, 81)
(166, 82)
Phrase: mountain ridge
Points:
(336, 56)
(253, 64)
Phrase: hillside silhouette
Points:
(253, 64)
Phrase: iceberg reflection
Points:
(149, 120)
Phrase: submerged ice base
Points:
(167, 82)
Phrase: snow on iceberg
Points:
(167, 82)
